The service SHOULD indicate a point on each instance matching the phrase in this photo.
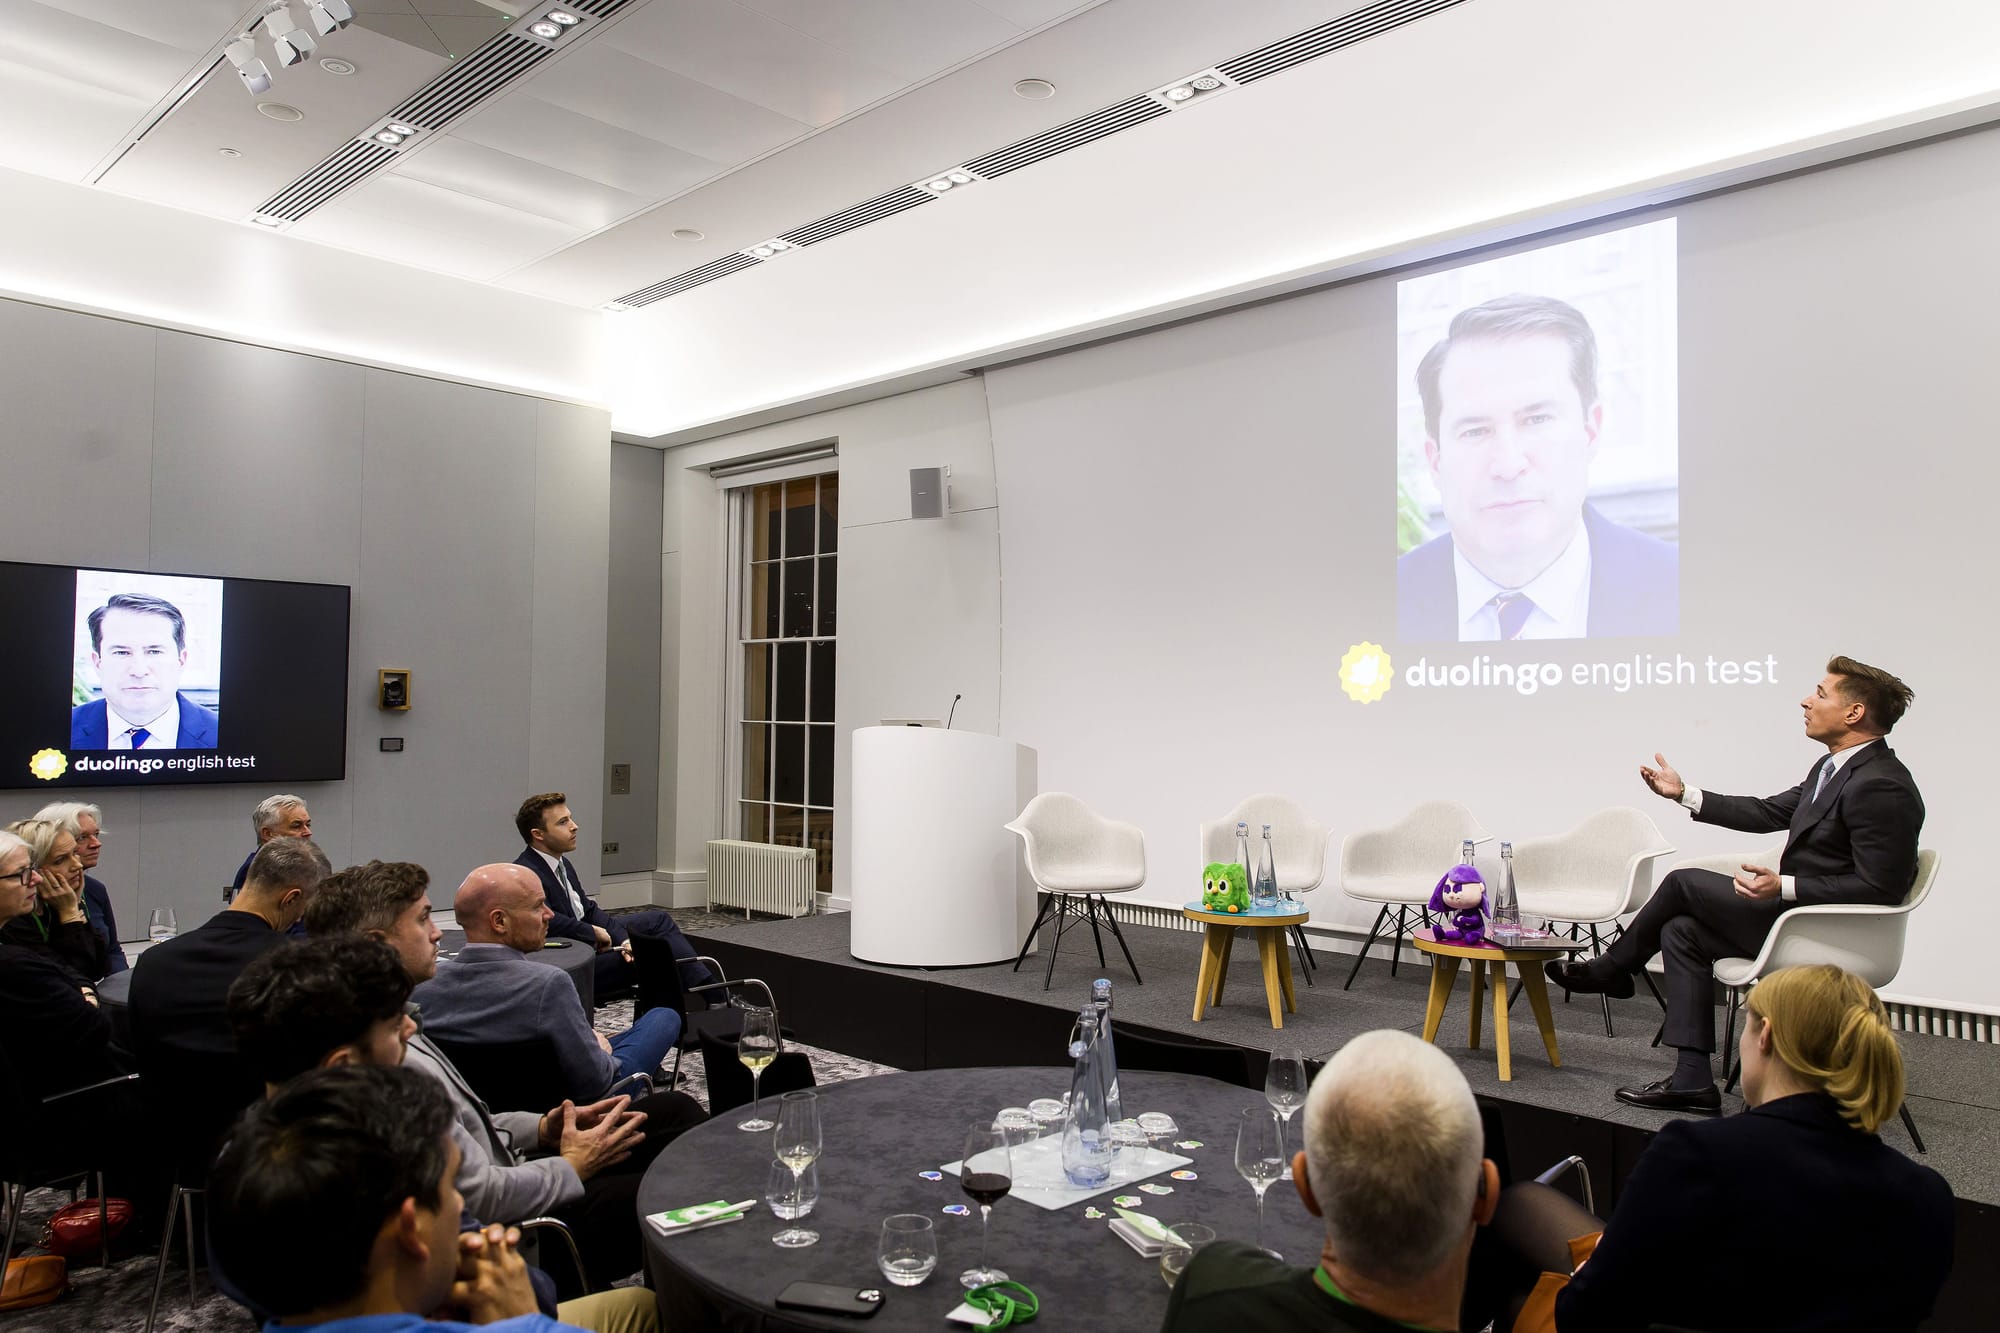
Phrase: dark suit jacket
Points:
(1782, 1219)
(566, 923)
(1856, 844)
(1635, 585)
(76, 946)
(54, 1038)
(97, 902)
(87, 727)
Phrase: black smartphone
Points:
(825, 1298)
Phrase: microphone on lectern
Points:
(954, 711)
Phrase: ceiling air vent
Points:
(472, 80)
(1071, 134)
(1368, 21)
(680, 282)
(338, 170)
(860, 215)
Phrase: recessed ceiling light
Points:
(334, 65)
(689, 234)
(944, 182)
(1198, 87)
(1035, 90)
(1181, 93)
(545, 29)
(398, 127)
(563, 17)
(228, 152)
(389, 137)
(263, 221)
(1207, 83)
(280, 111)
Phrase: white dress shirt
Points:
(1788, 888)
(576, 908)
(162, 733)
(1561, 594)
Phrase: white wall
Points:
(469, 522)
(632, 663)
(919, 609)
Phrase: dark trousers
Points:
(1692, 919)
(605, 1221)
(614, 973)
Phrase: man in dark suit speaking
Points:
(138, 644)
(1852, 828)
(1511, 420)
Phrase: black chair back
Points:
(659, 983)
(1228, 1064)
(729, 1082)
(510, 1075)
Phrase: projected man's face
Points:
(1512, 457)
(138, 664)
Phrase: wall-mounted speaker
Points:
(930, 492)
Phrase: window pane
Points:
(788, 826)
(826, 600)
(800, 511)
(798, 598)
(756, 762)
(788, 772)
(763, 529)
(756, 822)
(760, 607)
(757, 664)
(791, 682)
(819, 766)
(822, 682)
(829, 512)
(819, 836)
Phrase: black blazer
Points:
(54, 1038)
(1783, 1219)
(565, 922)
(1856, 844)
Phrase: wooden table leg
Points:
(1536, 988)
(1212, 938)
(1500, 1041)
(1285, 970)
(1222, 963)
(1269, 950)
(1444, 971)
(1478, 998)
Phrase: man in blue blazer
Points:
(1511, 421)
(138, 645)
(550, 832)
(1852, 828)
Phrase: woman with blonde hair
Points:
(57, 926)
(1793, 1215)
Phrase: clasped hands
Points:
(492, 1280)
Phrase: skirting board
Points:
(654, 888)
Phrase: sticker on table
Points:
(957, 1210)
(1184, 1175)
(1093, 1214)
(931, 1175)
(1128, 1201)
(1157, 1189)
(1187, 1143)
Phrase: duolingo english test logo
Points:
(48, 765)
(1365, 673)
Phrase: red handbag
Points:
(74, 1228)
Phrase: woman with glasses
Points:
(56, 924)
(54, 1037)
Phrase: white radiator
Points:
(760, 877)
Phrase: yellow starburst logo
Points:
(1365, 672)
(48, 765)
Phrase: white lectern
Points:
(936, 879)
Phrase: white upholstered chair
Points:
(1397, 867)
(1298, 850)
(1076, 856)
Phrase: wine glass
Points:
(162, 925)
(1260, 1157)
(908, 1249)
(791, 1195)
(757, 1047)
(985, 1173)
(796, 1141)
(1181, 1243)
(1285, 1087)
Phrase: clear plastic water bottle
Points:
(1265, 891)
(1504, 924)
(1107, 1053)
(1086, 1140)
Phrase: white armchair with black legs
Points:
(1076, 856)
(1397, 867)
(1298, 851)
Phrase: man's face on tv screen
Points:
(139, 664)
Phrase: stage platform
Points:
(928, 1019)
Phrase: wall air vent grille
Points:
(471, 81)
(338, 170)
(680, 282)
(847, 219)
(1071, 134)
(1368, 21)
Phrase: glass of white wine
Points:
(756, 1048)
(162, 925)
(796, 1142)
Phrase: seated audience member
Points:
(280, 816)
(85, 823)
(1792, 1215)
(336, 1206)
(318, 1003)
(493, 992)
(57, 926)
(54, 1036)
(550, 831)
(1392, 1162)
(579, 1163)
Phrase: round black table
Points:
(879, 1134)
(579, 960)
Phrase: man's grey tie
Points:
(1826, 771)
(1514, 609)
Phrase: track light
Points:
(330, 15)
(242, 54)
(291, 42)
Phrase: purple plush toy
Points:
(1463, 893)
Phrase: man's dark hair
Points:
(1504, 318)
(288, 863)
(364, 897)
(1884, 698)
(309, 1177)
(295, 1003)
(144, 605)
(529, 817)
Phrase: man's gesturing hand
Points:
(1759, 882)
(604, 1143)
(1663, 780)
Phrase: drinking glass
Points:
(985, 1173)
(1018, 1123)
(1181, 1243)
(797, 1142)
(1260, 1157)
(908, 1251)
(791, 1195)
(757, 1047)
(162, 925)
(1048, 1113)
(1159, 1127)
(1285, 1088)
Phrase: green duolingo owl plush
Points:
(1225, 888)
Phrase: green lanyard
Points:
(998, 1299)
(1326, 1285)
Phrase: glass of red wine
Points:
(985, 1173)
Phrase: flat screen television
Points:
(119, 678)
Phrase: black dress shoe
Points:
(1578, 979)
(1661, 1097)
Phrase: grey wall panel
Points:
(632, 657)
(193, 838)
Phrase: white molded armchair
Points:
(1298, 850)
(1073, 854)
(1397, 867)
